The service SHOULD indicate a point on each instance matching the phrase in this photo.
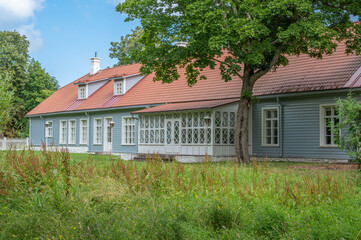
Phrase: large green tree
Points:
(13, 62)
(127, 47)
(28, 81)
(6, 98)
(243, 38)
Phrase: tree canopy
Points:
(25, 78)
(129, 44)
(245, 38)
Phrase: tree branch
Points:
(260, 73)
(239, 75)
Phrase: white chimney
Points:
(95, 65)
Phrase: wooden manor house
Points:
(119, 111)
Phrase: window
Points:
(178, 128)
(82, 92)
(128, 131)
(270, 127)
(49, 129)
(118, 87)
(72, 132)
(225, 123)
(63, 132)
(97, 131)
(328, 121)
(83, 131)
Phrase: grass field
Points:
(47, 195)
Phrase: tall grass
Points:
(48, 195)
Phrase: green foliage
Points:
(115, 199)
(254, 35)
(5, 102)
(29, 82)
(349, 114)
(127, 47)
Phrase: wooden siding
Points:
(37, 131)
(92, 87)
(131, 81)
(300, 134)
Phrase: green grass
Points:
(77, 196)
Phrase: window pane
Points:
(275, 114)
(224, 135)
(162, 121)
(141, 119)
(189, 119)
(232, 119)
(157, 136)
(151, 125)
(231, 136)
(146, 138)
(217, 136)
(157, 121)
(184, 136)
(169, 132)
(162, 136)
(195, 120)
(141, 136)
(184, 120)
(201, 119)
(225, 119)
(201, 135)
(189, 135)
(176, 132)
(218, 119)
(151, 138)
(195, 136)
(268, 114)
(146, 121)
(209, 135)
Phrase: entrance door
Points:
(108, 135)
(172, 138)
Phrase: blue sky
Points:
(65, 34)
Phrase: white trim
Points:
(123, 131)
(69, 132)
(350, 82)
(81, 131)
(264, 144)
(95, 129)
(322, 126)
(61, 132)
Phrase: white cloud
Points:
(12, 11)
(33, 35)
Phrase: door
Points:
(108, 135)
(172, 139)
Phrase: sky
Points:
(65, 34)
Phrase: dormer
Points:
(119, 86)
(83, 91)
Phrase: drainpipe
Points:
(281, 126)
(41, 117)
(87, 115)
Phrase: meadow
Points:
(57, 195)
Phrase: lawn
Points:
(77, 196)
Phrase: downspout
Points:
(41, 117)
(88, 118)
(281, 126)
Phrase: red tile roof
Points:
(302, 74)
(188, 106)
(120, 71)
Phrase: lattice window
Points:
(184, 128)
(225, 122)
(118, 87)
(82, 92)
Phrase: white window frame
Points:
(132, 133)
(81, 131)
(122, 90)
(69, 132)
(95, 131)
(85, 87)
(61, 140)
(223, 128)
(48, 133)
(264, 142)
(322, 126)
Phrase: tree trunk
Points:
(241, 133)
